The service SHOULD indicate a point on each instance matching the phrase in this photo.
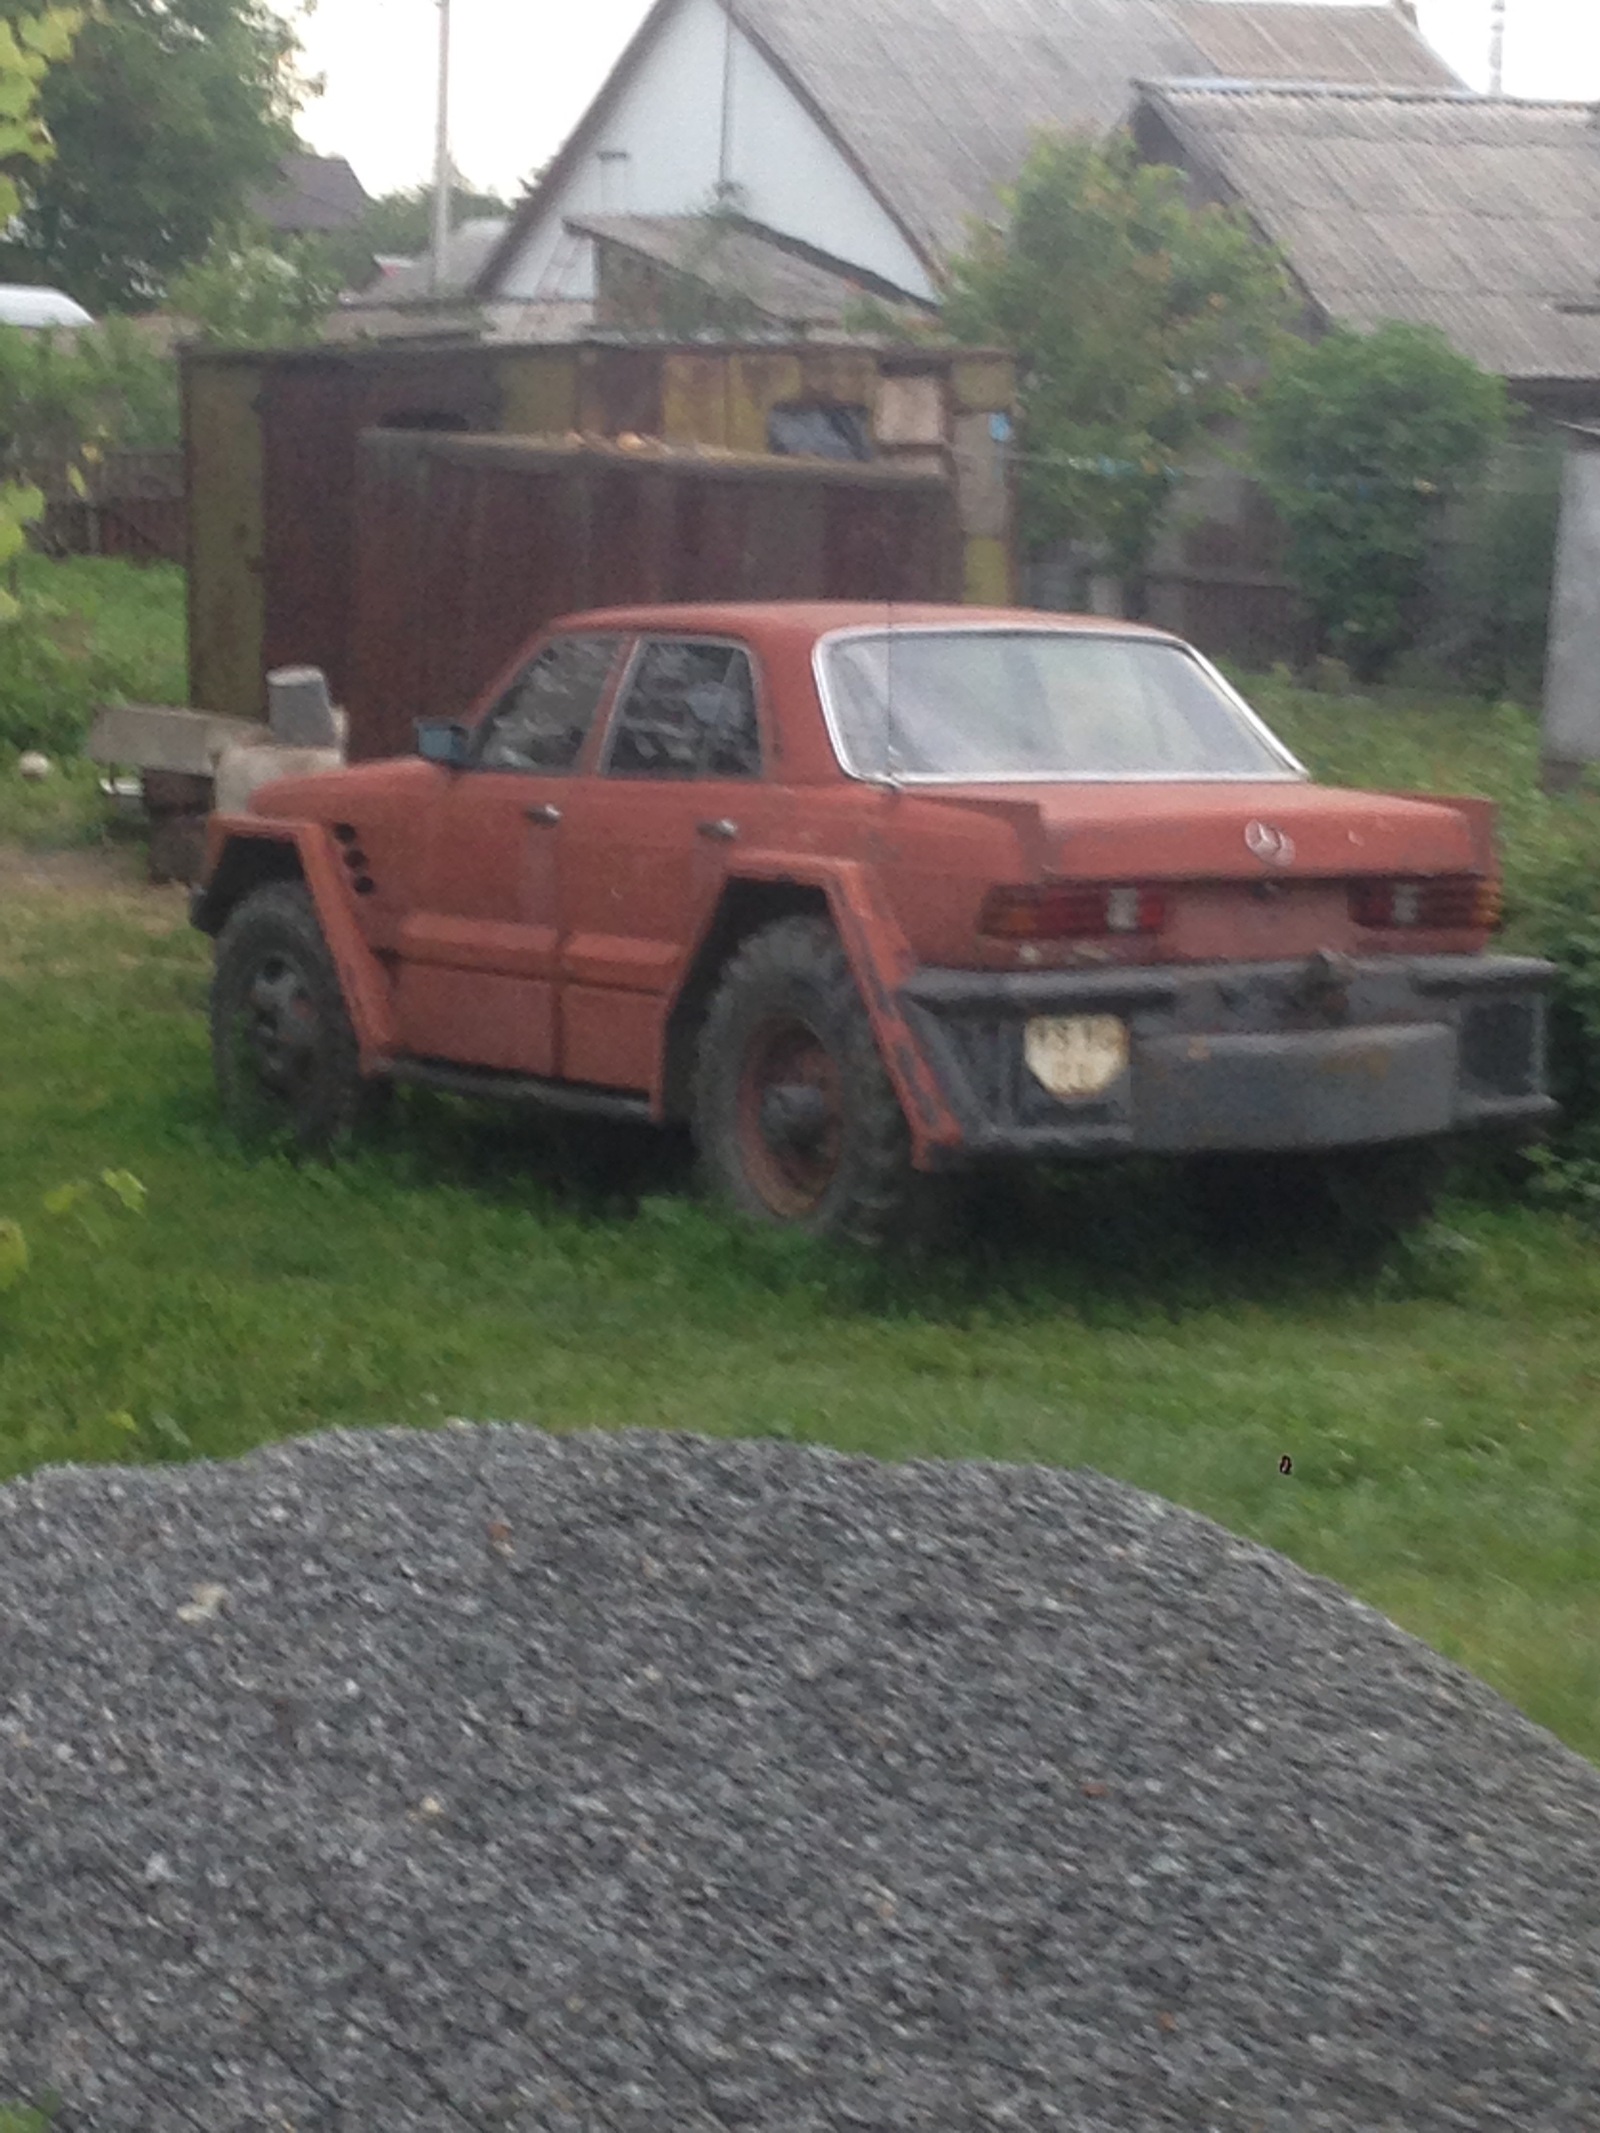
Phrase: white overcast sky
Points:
(522, 72)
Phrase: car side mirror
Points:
(441, 740)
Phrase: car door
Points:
(477, 975)
(646, 843)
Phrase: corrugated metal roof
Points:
(935, 101)
(938, 98)
(1478, 215)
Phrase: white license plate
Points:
(1076, 1055)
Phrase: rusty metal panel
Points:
(466, 545)
(447, 389)
(223, 476)
(392, 518)
(460, 552)
(744, 540)
(308, 461)
(875, 550)
(313, 408)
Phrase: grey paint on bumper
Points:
(1248, 1056)
(1312, 1089)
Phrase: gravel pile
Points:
(488, 1779)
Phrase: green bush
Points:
(66, 400)
(1359, 440)
(1491, 597)
(25, 2118)
(91, 630)
(1399, 741)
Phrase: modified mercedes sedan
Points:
(866, 896)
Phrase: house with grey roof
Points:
(1477, 215)
(311, 194)
(867, 134)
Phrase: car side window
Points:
(543, 719)
(689, 712)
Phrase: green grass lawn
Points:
(94, 628)
(1439, 1410)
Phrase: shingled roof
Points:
(311, 193)
(935, 101)
(1478, 215)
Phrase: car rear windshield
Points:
(1000, 704)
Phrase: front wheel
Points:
(795, 1121)
(284, 1052)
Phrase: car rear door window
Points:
(543, 719)
(689, 711)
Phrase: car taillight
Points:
(1443, 903)
(1068, 910)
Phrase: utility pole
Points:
(725, 143)
(1497, 47)
(441, 161)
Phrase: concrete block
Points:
(299, 710)
(164, 737)
(242, 771)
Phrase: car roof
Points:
(810, 619)
(25, 304)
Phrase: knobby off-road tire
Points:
(282, 1046)
(796, 1124)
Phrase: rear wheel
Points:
(795, 1121)
(284, 1052)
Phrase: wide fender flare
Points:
(368, 993)
(881, 961)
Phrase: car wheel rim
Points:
(278, 1029)
(790, 1117)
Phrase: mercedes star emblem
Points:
(1272, 846)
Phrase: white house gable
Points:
(659, 150)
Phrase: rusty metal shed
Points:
(271, 448)
(466, 545)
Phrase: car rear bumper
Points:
(1316, 1053)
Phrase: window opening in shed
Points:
(819, 430)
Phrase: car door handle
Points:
(722, 829)
(544, 812)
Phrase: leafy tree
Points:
(252, 291)
(1137, 320)
(401, 223)
(1359, 439)
(29, 46)
(169, 114)
(66, 399)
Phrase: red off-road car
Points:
(866, 895)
